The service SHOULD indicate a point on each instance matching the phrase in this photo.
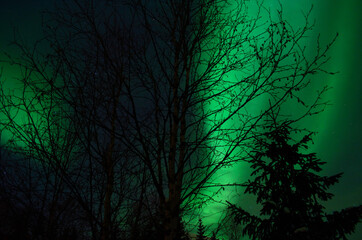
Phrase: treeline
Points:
(286, 181)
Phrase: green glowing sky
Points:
(339, 126)
(339, 140)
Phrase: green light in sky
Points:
(30, 114)
(230, 84)
(240, 172)
(342, 17)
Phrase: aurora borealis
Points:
(339, 128)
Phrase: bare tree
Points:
(40, 147)
(203, 64)
(53, 117)
(158, 97)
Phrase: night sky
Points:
(339, 128)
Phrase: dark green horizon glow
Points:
(27, 28)
(339, 127)
(13, 89)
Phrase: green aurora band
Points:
(338, 140)
(331, 17)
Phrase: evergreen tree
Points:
(288, 185)
(200, 231)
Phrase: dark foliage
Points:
(200, 231)
(213, 237)
(184, 235)
(288, 184)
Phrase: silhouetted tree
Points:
(200, 231)
(287, 182)
(147, 92)
(198, 67)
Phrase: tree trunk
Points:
(171, 219)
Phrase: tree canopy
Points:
(287, 182)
